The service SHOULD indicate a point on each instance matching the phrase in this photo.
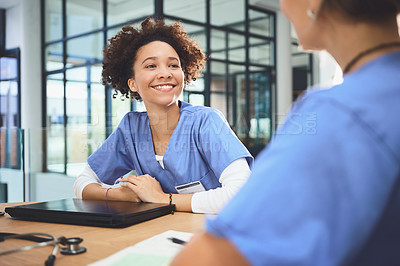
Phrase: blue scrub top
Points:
(200, 148)
(326, 190)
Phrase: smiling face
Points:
(158, 75)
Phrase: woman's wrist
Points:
(165, 198)
(108, 193)
(125, 194)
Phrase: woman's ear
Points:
(132, 85)
(314, 6)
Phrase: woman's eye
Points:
(150, 66)
(175, 66)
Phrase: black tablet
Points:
(90, 212)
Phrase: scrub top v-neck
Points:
(200, 148)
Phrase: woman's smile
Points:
(164, 87)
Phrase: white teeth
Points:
(164, 87)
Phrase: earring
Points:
(311, 14)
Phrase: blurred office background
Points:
(55, 112)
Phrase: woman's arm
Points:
(149, 189)
(212, 201)
(86, 177)
(96, 191)
(209, 250)
(89, 186)
(232, 179)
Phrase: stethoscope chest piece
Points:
(72, 246)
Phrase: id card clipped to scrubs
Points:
(191, 187)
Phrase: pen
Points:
(177, 240)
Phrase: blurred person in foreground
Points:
(326, 189)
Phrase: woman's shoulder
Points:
(204, 119)
(200, 111)
(133, 118)
(204, 116)
(135, 115)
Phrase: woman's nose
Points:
(164, 73)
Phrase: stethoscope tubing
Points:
(54, 242)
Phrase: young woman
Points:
(330, 196)
(183, 154)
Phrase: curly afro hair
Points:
(120, 53)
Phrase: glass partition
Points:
(9, 91)
(77, 92)
(261, 23)
(229, 14)
(55, 123)
(261, 52)
(124, 11)
(53, 20)
(54, 183)
(238, 78)
(96, 132)
(84, 50)
(11, 135)
(192, 10)
(83, 16)
(260, 110)
(218, 44)
(120, 105)
(11, 165)
(236, 47)
(218, 97)
(53, 56)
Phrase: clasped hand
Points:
(146, 187)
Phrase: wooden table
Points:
(100, 242)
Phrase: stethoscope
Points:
(70, 245)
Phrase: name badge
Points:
(191, 187)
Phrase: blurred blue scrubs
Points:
(326, 190)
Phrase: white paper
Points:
(157, 250)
